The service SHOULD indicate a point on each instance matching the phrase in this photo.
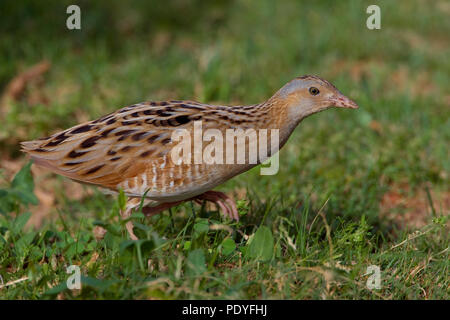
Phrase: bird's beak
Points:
(342, 101)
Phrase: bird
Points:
(130, 149)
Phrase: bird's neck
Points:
(277, 117)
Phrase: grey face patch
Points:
(294, 85)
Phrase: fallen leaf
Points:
(18, 84)
(99, 232)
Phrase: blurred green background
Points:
(387, 161)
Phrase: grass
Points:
(355, 188)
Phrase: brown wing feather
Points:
(127, 148)
(115, 147)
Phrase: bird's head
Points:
(306, 95)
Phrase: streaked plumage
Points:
(129, 148)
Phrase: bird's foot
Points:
(131, 204)
(151, 211)
(147, 210)
(225, 203)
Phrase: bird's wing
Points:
(117, 146)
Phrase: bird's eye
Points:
(314, 91)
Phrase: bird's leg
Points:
(147, 210)
(222, 200)
(151, 211)
(131, 204)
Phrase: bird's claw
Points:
(226, 204)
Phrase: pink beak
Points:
(342, 101)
